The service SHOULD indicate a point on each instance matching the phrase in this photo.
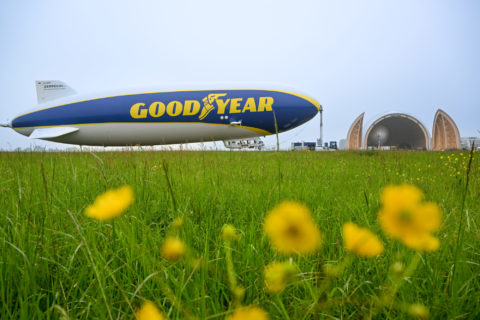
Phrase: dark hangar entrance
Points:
(397, 131)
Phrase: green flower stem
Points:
(461, 229)
(282, 306)
(397, 281)
(174, 300)
(345, 263)
(319, 292)
(89, 256)
(232, 276)
(338, 302)
(333, 273)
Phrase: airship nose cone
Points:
(292, 115)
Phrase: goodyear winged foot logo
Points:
(212, 101)
(207, 104)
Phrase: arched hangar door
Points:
(397, 131)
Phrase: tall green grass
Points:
(55, 262)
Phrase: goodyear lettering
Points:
(265, 104)
(156, 109)
(214, 102)
(136, 113)
(250, 105)
(191, 108)
(222, 105)
(174, 108)
(234, 105)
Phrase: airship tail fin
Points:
(48, 90)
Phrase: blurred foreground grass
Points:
(56, 262)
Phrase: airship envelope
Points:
(150, 117)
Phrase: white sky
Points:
(352, 56)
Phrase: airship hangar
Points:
(401, 131)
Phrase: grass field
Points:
(58, 263)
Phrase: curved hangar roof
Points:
(403, 131)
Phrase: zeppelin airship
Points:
(153, 117)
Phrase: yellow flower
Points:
(291, 229)
(418, 310)
(229, 233)
(173, 249)
(110, 204)
(361, 241)
(178, 223)
(398, 268)
(422, 242)
(249, 313)
(278, 274)
(149, 311)
(405, 217)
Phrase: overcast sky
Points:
(412, 56)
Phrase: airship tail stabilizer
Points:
(48, 90)
(48, 133)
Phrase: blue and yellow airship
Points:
(150, 117)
